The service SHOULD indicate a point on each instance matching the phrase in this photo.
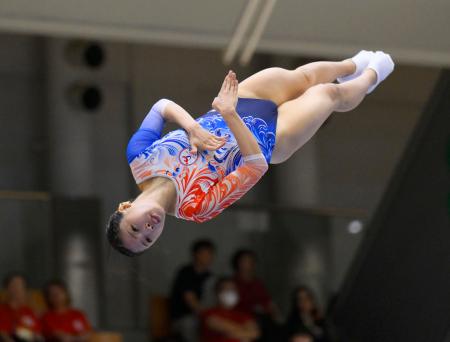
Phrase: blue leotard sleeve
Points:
(149, 131)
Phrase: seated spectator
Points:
(305, 322)
(188, 290)
(61, 323)
(254, 297)
(224, 322)
(17, 321)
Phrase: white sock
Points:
(383, 65)
(361, 60)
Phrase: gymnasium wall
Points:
(347, 165)
(21, 107)
(406, 243)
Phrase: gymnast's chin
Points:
(135, 226)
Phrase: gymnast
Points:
(194, 173)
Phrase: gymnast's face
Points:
(141, 225)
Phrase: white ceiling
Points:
(413, 31)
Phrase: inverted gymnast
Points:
(194, 173)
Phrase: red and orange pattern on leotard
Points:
(206, 182)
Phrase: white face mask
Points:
(229, 298)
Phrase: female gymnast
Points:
(194, 173)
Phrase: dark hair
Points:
(112, 234)
(294, 301)
(221, 281)
(198, 245)
(58, 283)
(239, 254)
(10, 276)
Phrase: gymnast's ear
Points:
(124, 206)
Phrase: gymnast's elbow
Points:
(265, 166)
(257, 163)
(262, 169)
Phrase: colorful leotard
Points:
(209, 181)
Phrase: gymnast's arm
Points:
(149, 131)
(225, 104)
(199, 138)
(231, 188)
(153, 124)
(166, 110)
(173, 112)
(254, 166)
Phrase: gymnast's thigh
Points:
(276, 84)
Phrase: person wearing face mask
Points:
(225, 323)
(18, 323)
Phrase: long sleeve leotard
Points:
(206, 182)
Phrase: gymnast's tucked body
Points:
(194, 173)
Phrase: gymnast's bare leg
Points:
(306, 97)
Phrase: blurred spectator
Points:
(254, 298)
(305, 320)
(62, 323)
(17, 320)
(224, 322)
(188, 290)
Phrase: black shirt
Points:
(187, 279)
(295, 325)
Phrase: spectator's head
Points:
(203, 253)
(304, 301)
(226, 292)
(57, 295)
(15, 286)
(244, 262)
(135, 226)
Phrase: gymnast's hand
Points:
(225, 102)
(201, 139)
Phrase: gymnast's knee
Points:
(306, 75)
(330, 90)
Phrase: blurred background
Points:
(360, 215)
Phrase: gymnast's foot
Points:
(383, 65)
(361, 61)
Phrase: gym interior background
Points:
(76, 79)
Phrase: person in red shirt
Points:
(62, 323)
(17, 321)
(224, 323)
(253, 295)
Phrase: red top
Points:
(233, 315)
(13, 319)
(253, 296)
(71, 322)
